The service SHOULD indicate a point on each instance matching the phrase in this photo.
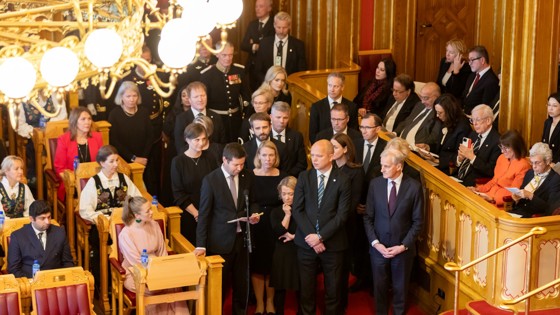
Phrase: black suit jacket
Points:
(25, 247)
(456, 83)
(254, 36)
(405, 111)
(483, 93)
(486, 157)
(447, 150)
(296, 157)
(295, 61)
(332, 214)
(320, 117)
(186, 118)
(251, 150)
(554, 141)
(328, 133)
(374, 168)
(404, 226)
(539, 204)
(216, 208)
(429, 129)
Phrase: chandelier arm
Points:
(223, 36)
(154, 79)
(43, 112)
(13, 112)
(79, 18)
(50, 8)
(103, 90)
(160, 83)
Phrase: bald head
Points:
(429, 93)
(321, 155)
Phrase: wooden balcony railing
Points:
(508, 304)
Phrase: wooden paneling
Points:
(382, 24)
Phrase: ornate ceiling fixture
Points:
(61, 45)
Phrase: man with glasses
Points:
(478, 160)
(339, 124)
(319, 117)
(400, 104)
(421, 126)
(483, 84)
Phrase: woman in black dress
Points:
(284, 274)
(187, 171)
(344, 158)
(454, 69)
(551, 130)
(374, 96)
(275, 78)
(265, 198)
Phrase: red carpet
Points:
(360, 303)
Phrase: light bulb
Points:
(176, 53)
(227, 11)
(199, 16)
(59, 66)
(17, 77)
(103, 47)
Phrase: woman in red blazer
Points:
(78, 141)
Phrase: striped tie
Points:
(319, 198)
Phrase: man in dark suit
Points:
(400, 104)
(281, 49)
(257, 29)
(221, 200)
(479, 160)
(339, 124)
(483, 84)
(538, 185)
(319, 118)
(295, 147)
(320, 209)
(422, 126)
(198, 99)
(39, 241)
(261, 127)
(393, 221)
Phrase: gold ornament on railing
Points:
(97, 42)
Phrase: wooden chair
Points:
(171, 272)
(12, 293)
(84, 172)
(65, 291)
(48, 138)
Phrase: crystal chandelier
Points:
(101, 41)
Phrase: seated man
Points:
(40, 241)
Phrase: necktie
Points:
(261, 24)
(464, 167)
(417, 119)
(393, 198)
(233, 189)
(534, 184)
(320, 192)
(40, 235)
(279, 137)
(390, 113)
(199, 114)
(476, 79)
(368, 157)
(279, 53)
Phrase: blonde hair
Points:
(399, 144)
(271, 73)
(8, 163)
(266, 144)
(288, 181)
(458, 44)
(132, 206)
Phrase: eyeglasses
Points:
(503, 147)
(477, 120)
(367, 127)
(338, 119)
(534, 163)
(397, 91)
(424, 98)
(474, 59)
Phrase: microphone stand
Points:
(249, 247)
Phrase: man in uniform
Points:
(227, 91)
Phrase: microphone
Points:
(246, 194)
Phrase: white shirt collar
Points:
(374, 142)
(338, 100)
(263, 21)
(284, 40)
(196, 112)
(483, 72)
(397, 180)
(6, 185)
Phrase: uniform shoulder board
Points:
(206, 69)
(238, 65)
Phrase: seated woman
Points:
(551, 130)
(539, 184)
(262, 102)
(79, 141)
(454, 69)
(284, 274)
(455, 126)
(16, 196)
(510, 169)
(373, 98)
(187, 171)
(141, 232)
(275, 78)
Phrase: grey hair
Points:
(485, 109)
(543, 150)
(396, 156)
(127, 85)
(8, 163)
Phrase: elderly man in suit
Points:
(261, 127)
(257, 29)
(295, 147)
(39, 241)
(400, 104)
(393, 221)
(320, 111)
(221, 200)
(320, 209)
(422, 126)
(483, 84)
(479, 159)
(282, 49)
(339, 124)
(196, 92)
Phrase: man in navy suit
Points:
(320, 209)
(261, 127)
(393, 220)
(483, 84)
(39, 241)
(196, 92)
(222, 200)
(295, 147)
(281, 49)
